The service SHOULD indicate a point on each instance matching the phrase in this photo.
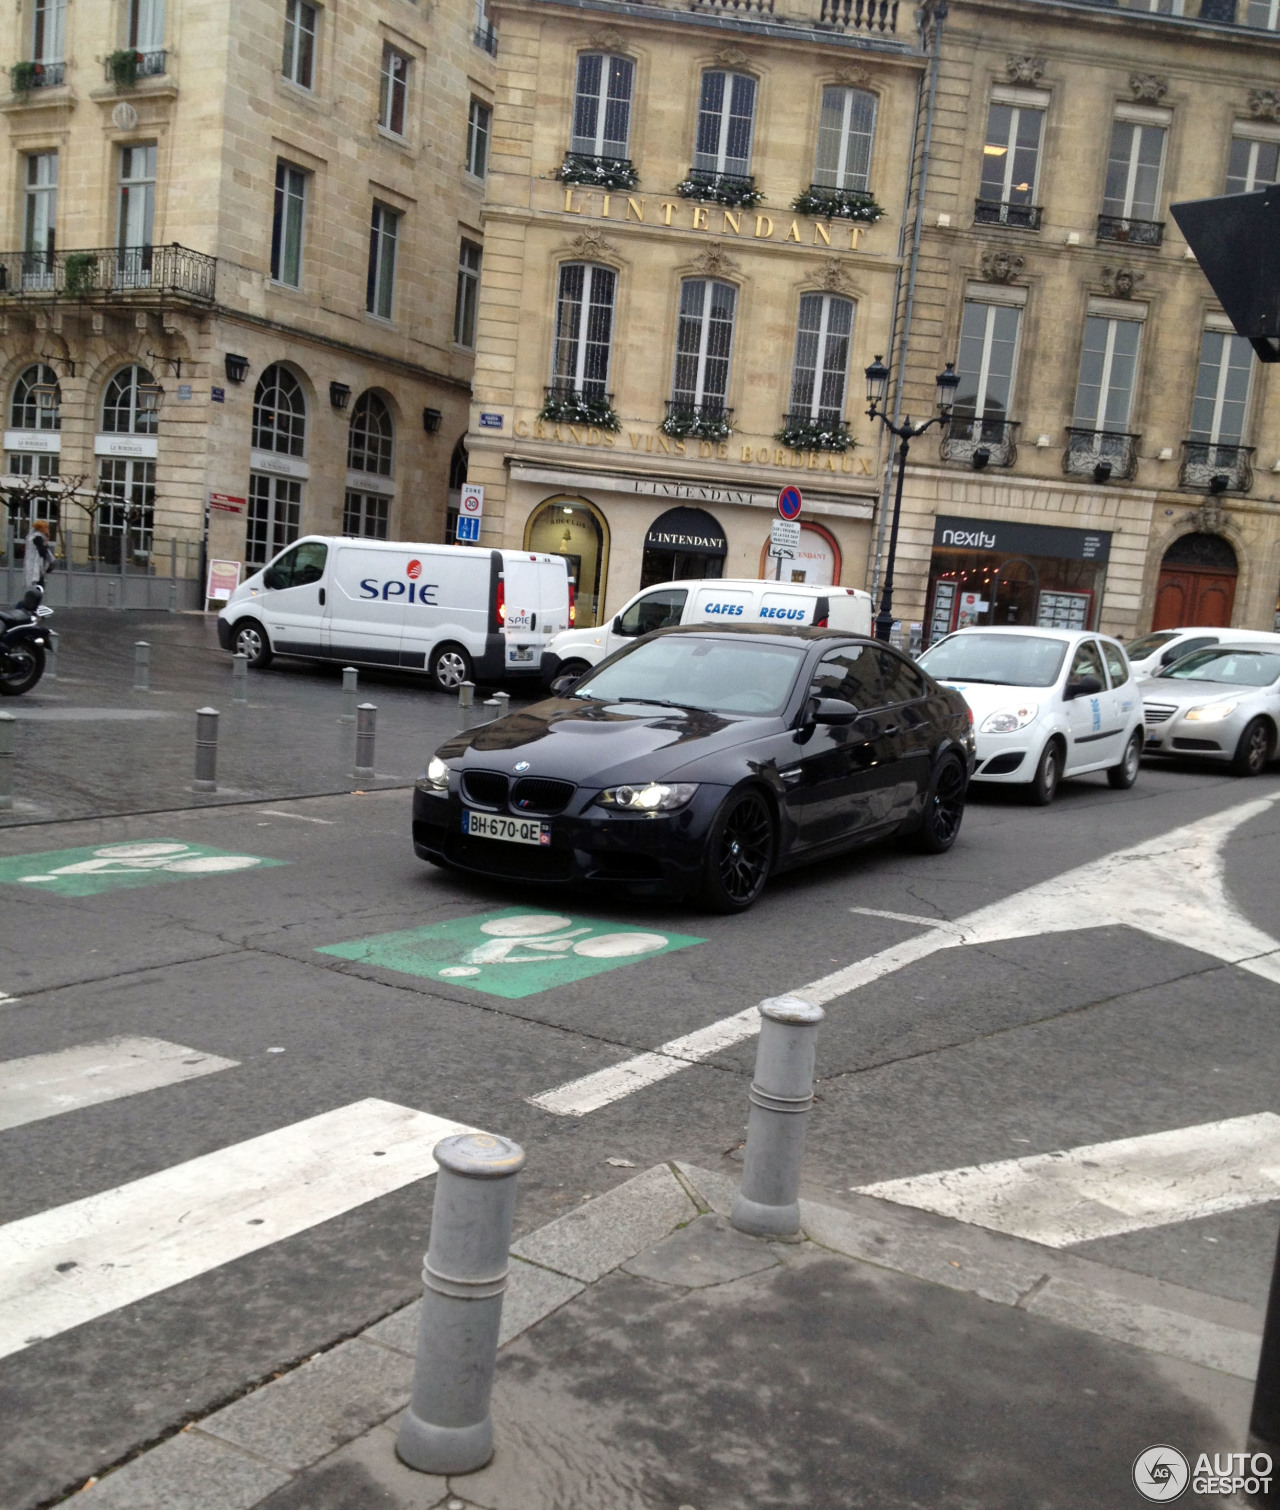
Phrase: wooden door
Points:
(1187, 595)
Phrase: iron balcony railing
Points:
(824, 431)
(966, 436)
(709, 420)
(567, 403)
(487, 38)
(1103, 455)
(1210, 467)
(598, 172)
(25, 76)
(860, 15)
(150, 65)
(1019, 217)
(1132, 232)
(104, 271)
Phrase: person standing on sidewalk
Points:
(37, 561)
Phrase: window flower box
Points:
(570, 406)
(837, 204)
(598, 172)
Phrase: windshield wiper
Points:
(655, 702)
(987, 681)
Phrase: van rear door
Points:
(535, 597)
(368, 601)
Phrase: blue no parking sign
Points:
(790, 502)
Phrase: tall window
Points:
(128, 403)
(584, 328)
(1011, 154)
(136, 220)
(279, 413)
(1108, 368)
(602, 105)
(726, 110)
(275, 508)
(1222, 388)
(395, 90)
(299, 61)
(1264, 13)
(370, 435)
(464, 310)
(846, 130)
(49, 31)
(478, 123)
(146, 25)
(126, 486)
(381, 285)
(822, 358)
(366, 514)
(35, 406)
(286, 224)
(704, 344)
(988, 352)
(1133, 171)
(1251, 165)
(40, 214)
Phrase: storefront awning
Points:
(687, 530)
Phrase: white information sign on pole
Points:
(471, 501)
(784, 539)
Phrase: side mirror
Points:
(616, 626)
(1081, 686)
(273, 578)
(835, 711)
(562, 686)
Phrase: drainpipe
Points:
(934, 18)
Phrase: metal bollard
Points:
(1264, 1419)
(492, 710)
(366, 728)
(240, 677)
(768, 1203)
(503, 700)
(141, 666)
(51, 659)
(111, 594)
(8, 736)
(466, 704)
(206, 750)
(448, 1427)
(350, 682)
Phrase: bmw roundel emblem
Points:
(521, 765)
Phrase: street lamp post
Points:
(877, 392)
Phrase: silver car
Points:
(1218, 703)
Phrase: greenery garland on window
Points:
(733, 195)
(124, 68)
(816, 435)
(685, 423)
(574, 408)
(598, 172)
(837, 204)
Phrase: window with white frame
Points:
(468, 297)
(383, 234)
(821, 369)
(275, 510)
(35, 407)
(287, 223)
(1011, 154)
(1134, 170)
(394, 94)
(726, 115)
(299, 62)
(279, 413)
(987, 360)
(1108, 371)
(366, 514)
(126, 508)
(704, 344)
(48, 31)
(370, 436)
(479, 121)
(1264, 13)
(40, 216)
(146, 25)
(137, 203)
(846, 132)
(1221, 403)
(128, 403)
(584, 328)
(602, 105)
(1251, 165)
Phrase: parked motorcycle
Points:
(23, 641)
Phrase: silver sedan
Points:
(1219, 703)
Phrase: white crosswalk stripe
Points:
(66, 1266)
(44, 1085)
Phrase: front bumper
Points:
(1172, 734)
(1009, 758)
(224, 634)
(657, 853)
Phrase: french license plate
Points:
(520, 653)
(511, 830)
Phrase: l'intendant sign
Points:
(1009, 538)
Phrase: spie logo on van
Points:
(413, 571)
(416, 592)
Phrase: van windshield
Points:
(690, 671)
(1140, 649)
(1005, 660)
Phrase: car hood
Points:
(1187, 693)
(600, 743)
(985, 699)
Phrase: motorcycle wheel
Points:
(20, 669)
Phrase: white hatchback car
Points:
(1046, 703)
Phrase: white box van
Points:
(713, 600)
(454, 611)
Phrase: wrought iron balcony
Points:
(860, 15)
(1208, 467)
(568, 404)
(24, 77)
(737, 191)
(149, 65)
(1018, 217)
(966, 439)
(1132, 232)
(825, 431)
(828, 203)
(709, 420)
(487, 38)
(598, 172)
(104, 272)
(1103, 455)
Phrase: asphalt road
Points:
(991, 1051)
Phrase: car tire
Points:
(249, 639)
(1254, 749)
(1044, 784)
(573, 668)
(943, 808)
(1121, 777)
(450, 667)
(27, 663)
(741, 848)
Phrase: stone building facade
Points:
(229, 290)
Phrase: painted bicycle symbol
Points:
(537, 938)
(131, 859)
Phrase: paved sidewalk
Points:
(656, 1359)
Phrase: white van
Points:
(454, 611)
(1153, 652)
(713, 600)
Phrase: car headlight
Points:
(1211, 713)
(1009, 720)
(655, 797)
(435, 778)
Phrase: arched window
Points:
(369, 436)
(279, 412)
(129, 403)
(35, 410)
(576, 530)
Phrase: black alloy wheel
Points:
(943, 809)
(21, 668)
(740, 852)
(1254, 749)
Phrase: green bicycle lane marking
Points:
(107, 867)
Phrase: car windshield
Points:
(1006, 660)
(1140, 649)
(690, 671)
(1235, 668)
